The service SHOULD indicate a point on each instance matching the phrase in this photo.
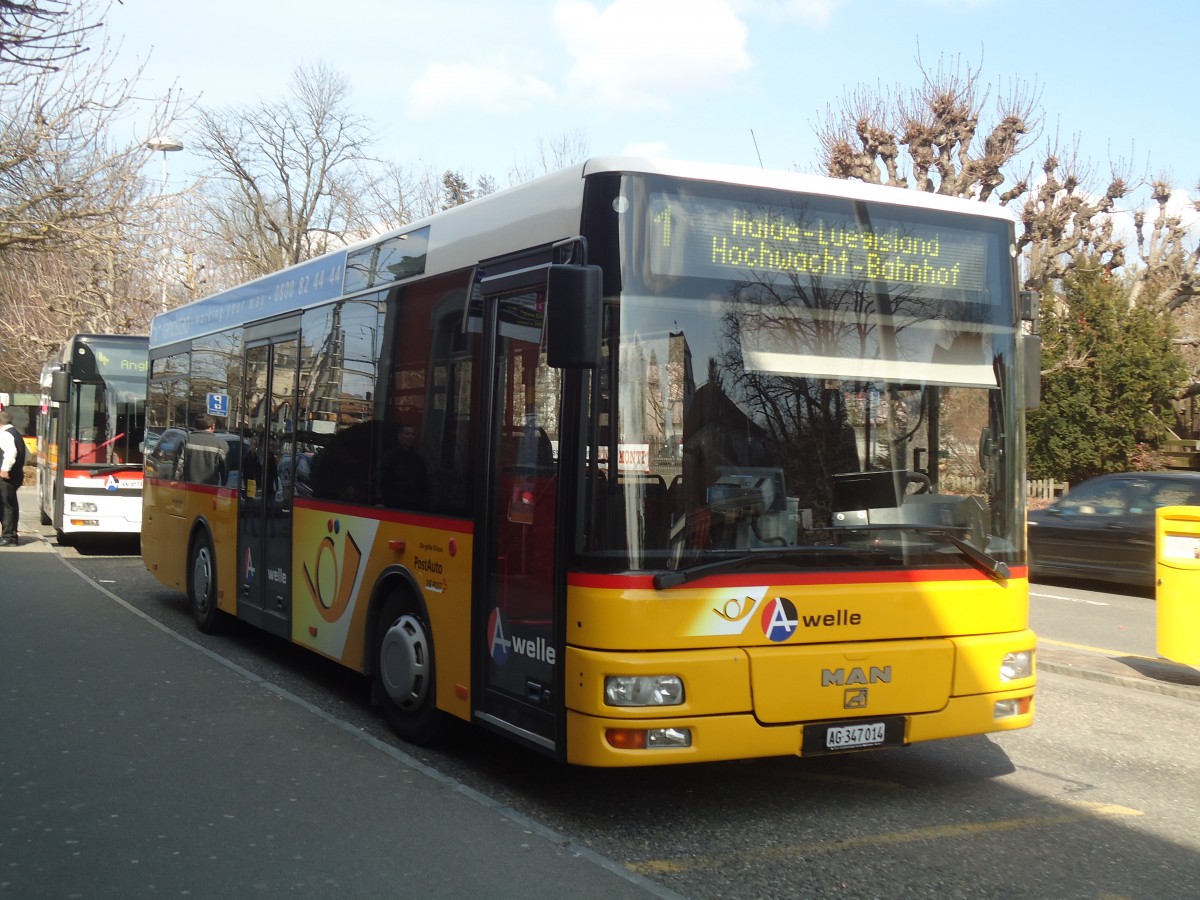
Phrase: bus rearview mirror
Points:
(1032, 370)
(60, 387)
(574, 303)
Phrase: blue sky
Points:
(473, 85)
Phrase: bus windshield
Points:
(108, 404)
(804, 378)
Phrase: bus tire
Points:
(202, 584)
(403, 670)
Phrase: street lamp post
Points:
(166, 145)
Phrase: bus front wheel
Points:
(403, 670)
(202, 584)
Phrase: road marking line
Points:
(1069, 599)
(933, 832)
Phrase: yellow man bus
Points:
(638, 463)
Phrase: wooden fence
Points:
(1045, 488)
(1035, 488)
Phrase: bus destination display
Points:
(711, 238)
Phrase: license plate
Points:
(829, 737)
(846, 737)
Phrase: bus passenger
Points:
(403, 476)
(204, 456)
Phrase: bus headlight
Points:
(643, 690)
(1016, 665)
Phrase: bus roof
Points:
(799, 182)
(541, 211)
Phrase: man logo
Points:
(856, 698)
(856, 675)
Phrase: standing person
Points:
(12, 475)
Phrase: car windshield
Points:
(1131, 495)
(1106, 497)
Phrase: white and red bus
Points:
(638, 463)
(91, 435)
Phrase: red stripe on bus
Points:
(122, 474)
(646, 582)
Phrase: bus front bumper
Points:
(615, 742)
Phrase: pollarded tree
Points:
(1110, 376)
(936, 139)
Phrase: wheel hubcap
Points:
(201, 578)
(404, 663)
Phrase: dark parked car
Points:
(1103, 529)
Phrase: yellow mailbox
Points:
(1177, 577)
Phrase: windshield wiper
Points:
(108, 468)
(992, 566)
(676, 577)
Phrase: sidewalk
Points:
(137, 762)
(1159, 676)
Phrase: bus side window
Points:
(165, 460)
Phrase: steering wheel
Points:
(920, 479)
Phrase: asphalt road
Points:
(282, 781)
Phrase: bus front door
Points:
(520, 642)
(265, 507)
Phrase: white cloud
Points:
(642, 53)
(444, 87)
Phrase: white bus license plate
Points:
(839, 737)
(848, 737)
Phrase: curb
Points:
(1157, 676)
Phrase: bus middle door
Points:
(265, 504)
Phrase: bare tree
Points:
(393, 197)
(287, 174)
(551, 155)
(39, 36)
(74, 210)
